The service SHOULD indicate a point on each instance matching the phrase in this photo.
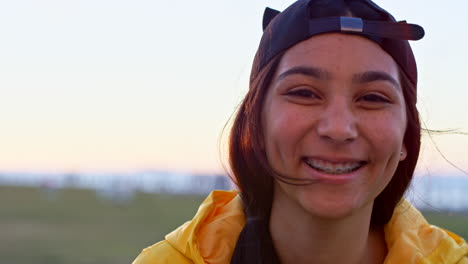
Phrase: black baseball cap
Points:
(306, 18)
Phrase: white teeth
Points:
(333, 168)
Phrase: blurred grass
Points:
(77, 226)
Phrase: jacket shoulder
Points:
(161, 253)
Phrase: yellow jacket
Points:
(210, 237)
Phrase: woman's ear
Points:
(403, 153)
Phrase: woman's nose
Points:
(338, 123)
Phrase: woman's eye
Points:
(306, 93)
(375, 98)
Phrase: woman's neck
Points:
(301, 238)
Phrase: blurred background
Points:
(112, 117)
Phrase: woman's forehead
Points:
(337, 53)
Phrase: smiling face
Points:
(334, 114)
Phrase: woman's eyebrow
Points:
(372, 76)
(306, 70)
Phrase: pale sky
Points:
(133, 85)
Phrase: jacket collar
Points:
(211, 236)
(411, 239)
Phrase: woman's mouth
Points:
(334, 167)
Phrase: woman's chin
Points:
(333, 206)
(323, 200)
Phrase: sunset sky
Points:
(101, 85)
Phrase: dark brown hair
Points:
(251, 171)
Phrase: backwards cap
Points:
(282, 30)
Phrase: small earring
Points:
(401, 153)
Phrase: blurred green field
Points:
(77, 226)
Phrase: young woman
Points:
(322, 149)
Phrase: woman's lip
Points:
(336, 160)
(324, 177)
